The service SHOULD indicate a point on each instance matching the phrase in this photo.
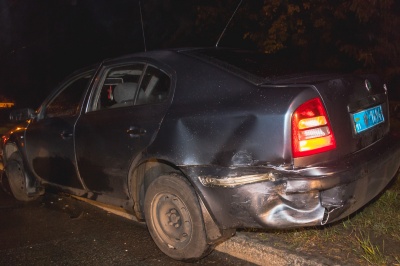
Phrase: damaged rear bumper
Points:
(273, 197)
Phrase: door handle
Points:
(66, 135)
(135, 132)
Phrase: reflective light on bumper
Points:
(235, 181)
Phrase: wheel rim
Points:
(171, 220)
(17, 178)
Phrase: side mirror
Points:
(22, 115)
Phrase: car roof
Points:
(254, 66)
(197, 53)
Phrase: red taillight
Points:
(311, 130)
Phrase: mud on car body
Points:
(200, 142)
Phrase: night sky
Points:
(42, 41)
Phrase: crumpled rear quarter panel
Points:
(217, 118)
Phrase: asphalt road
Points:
(60, 230)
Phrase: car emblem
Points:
(368, 85)
(385, 88)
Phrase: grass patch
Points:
(371, 253)
(383, 216)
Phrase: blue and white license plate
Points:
(368, 118)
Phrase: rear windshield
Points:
(265, 67)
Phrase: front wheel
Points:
(174, 218)
(17, 180)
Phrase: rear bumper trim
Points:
(281, 198)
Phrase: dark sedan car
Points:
(199, 142)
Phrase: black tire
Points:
(174, 218)
(4, 183)
(17, 179)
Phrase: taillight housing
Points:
(311, 130)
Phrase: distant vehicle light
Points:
(6, 105)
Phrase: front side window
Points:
(66, 103)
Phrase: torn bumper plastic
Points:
(275, 197)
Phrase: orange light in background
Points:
(6, 105)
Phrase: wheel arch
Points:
(14, 140)
(33, 188)
(146, 172)
(141, 176)
(9, 149)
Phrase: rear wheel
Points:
(17, 179)
(174, 218)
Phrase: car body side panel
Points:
(207, 125)
(207, 129)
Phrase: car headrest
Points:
(125, 92)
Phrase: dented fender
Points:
(279, 197)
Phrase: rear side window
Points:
(66, 103)
(130, 85)
(154, 87)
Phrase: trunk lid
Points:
(357, 107)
